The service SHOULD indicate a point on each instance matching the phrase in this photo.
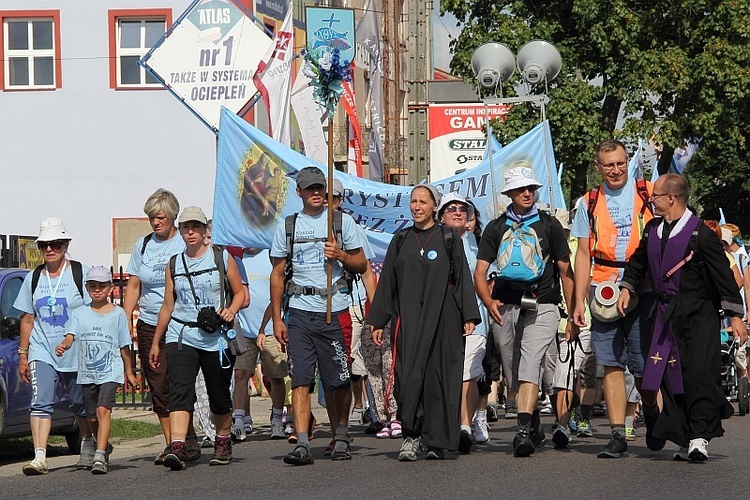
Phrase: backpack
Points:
(146, 239)
(75, 266)
(289, 226)
(640, 187)
(447, 237)
(227, 295)
(519, 255)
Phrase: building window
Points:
(30, 44)
(132, 33)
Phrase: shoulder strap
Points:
(146, 239)
(593, 199)
(77, 270)
(75, 267)
(289, 223)
(219, 261)
(35, 278)
(172, 266)
(642, 189)
(338, 231)
(448, 238)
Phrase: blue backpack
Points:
(519, 255)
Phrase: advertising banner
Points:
(208, 58)
(457, 141)
(331, 28)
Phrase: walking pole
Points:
(329, 196)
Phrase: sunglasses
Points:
(451, 209)
(54, 245)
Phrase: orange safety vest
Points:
(603, 238)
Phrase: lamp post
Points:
(538, 61)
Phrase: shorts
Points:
(311, 343)
(44, 385)
(624, 343)
(564, 377)
(358, 362)
(157, 378)
(272, 358)
(183, 371)
(522, 355)
(95, 395)
(473, 356)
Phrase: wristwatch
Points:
(23, 350)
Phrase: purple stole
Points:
(663, 355)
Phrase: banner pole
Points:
(329, 197)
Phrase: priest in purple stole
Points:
(693, 283)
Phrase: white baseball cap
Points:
(52, 229)
(100, 274)
(519, 177)
(453, 198)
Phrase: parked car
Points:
(15, 394)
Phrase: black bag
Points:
(209, 320)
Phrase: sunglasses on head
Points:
(54, 245)
(456, 208)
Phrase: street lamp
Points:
(493, 63)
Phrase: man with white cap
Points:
(531, 249)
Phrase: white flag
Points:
(274, 80)
(311, 118)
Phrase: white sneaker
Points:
(697, 451)
(238, 432)
(681, 454)
(356, 416)
(481, 431)
(36, 468)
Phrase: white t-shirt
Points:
(151, 269)
(100, 338)
(308, 261)
(52, 306)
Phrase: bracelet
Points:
(23, 350)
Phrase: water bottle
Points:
(232, 338)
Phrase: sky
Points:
(442, 28)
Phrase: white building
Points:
(84, 134)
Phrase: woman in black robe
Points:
(426, 290)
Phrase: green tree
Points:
(632, 68)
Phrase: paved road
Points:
(489, 471)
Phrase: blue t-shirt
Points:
(359, 294)
(621, 211)
(470, 249)
(258, 268)
(308, 261)
(207, 289)
(51, 322)
(100, 338)
(151, 269)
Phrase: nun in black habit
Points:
(426, 289)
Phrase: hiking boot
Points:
(411, 448)
(481, 431)
(175, 459)
(630, 433)
(560, 436)
(159, 460)
(36, 467)
(697, 451)
(511, 411)
(277, 430)
(616, 448)
(222, 451)
(300, 455)
(435, 453)
(584, 429)
(523, 446)
(99, 466)
(86, 460)
(652, 442)
(538, 438)
(238, 433)
(493, 412)
(464, 442)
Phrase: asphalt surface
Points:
(490, 471)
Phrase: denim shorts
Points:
(624, 343)
(44, 380)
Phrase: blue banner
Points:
(255, 187)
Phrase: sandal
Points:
(342, 454)
(396, 432)
(328, 451)
(384, 433)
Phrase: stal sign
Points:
(209, 57)
(457, 141)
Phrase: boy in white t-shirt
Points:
(102, 330)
